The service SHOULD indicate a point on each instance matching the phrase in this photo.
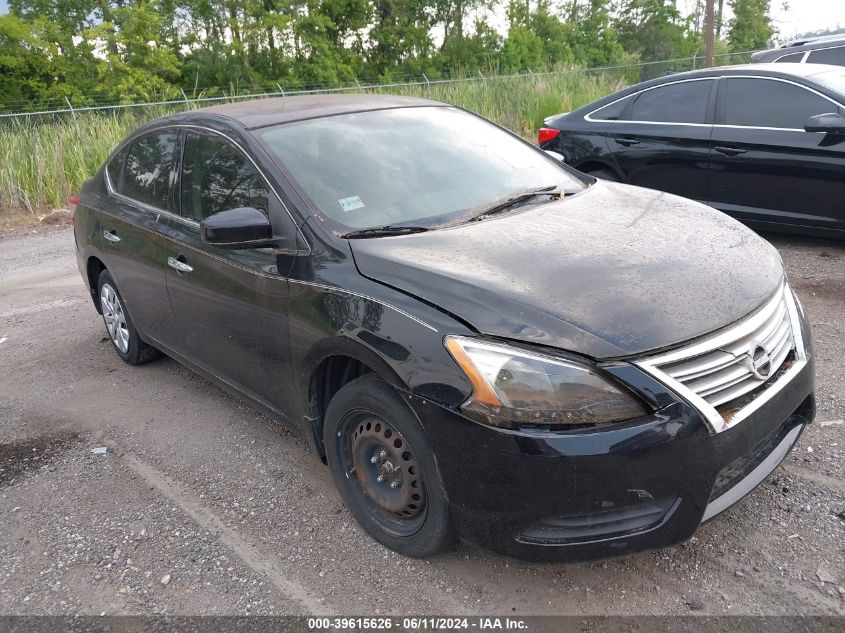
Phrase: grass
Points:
(45, 161)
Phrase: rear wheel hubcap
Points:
(115, 318)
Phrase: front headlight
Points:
(513, 387)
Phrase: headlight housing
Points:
(513, 387)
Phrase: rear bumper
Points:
(593, 494)
(82, 223)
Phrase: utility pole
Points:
(708, 34)
(719, 19)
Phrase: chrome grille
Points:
(714, 372)
(724, 374)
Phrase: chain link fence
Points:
(628, 73)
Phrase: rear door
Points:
(764, 166)
(231, 306)
(662, 140)
(139, 180)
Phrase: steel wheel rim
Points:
(371, 447)
(115, 317)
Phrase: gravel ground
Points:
(200, 505)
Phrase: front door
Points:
(231, 306)
(765, 167)
(662, 139)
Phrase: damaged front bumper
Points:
(590, 494)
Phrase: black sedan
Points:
(477, 339)
(764, 143)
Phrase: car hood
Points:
(610, 272)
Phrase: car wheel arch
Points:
(93, 268)
(326, 370)
(594, 165)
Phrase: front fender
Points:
(396, 336)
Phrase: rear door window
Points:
(835, 56)
(146, 173)
(218, 177)
(683, 102)
(770, 103)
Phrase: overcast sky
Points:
(791, 17)
(801, 16)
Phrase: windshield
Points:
(424, 166)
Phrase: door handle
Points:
(111, 236)
(730, 151)
(627, 142)
(179, 266)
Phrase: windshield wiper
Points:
(382, 231)
(519, 198)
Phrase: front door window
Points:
(217, 177)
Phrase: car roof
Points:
(769, 69)
(797, 47)
(782, 71)
(817, 39)
(257, 113)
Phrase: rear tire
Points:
(384, 468)
(119, 326)
(605, 174)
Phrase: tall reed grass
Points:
(45, 160)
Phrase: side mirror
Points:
(830, 123)
(237, 228)
(556, 155)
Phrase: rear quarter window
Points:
(115, 169)
(792, 58)
(612, 111)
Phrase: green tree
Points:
(92, 51)
(400, 40)
(25, 69)
(751, 27)
(476, 50)
(655, 31)
(136, 63)
(537, 38)
(329, 45)
(35, 71)
(468, 43)
(592, 37)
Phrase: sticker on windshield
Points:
(351, 203)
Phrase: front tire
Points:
(119, 326)
(384, 468)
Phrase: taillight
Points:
(546, 134)
(73, 202)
